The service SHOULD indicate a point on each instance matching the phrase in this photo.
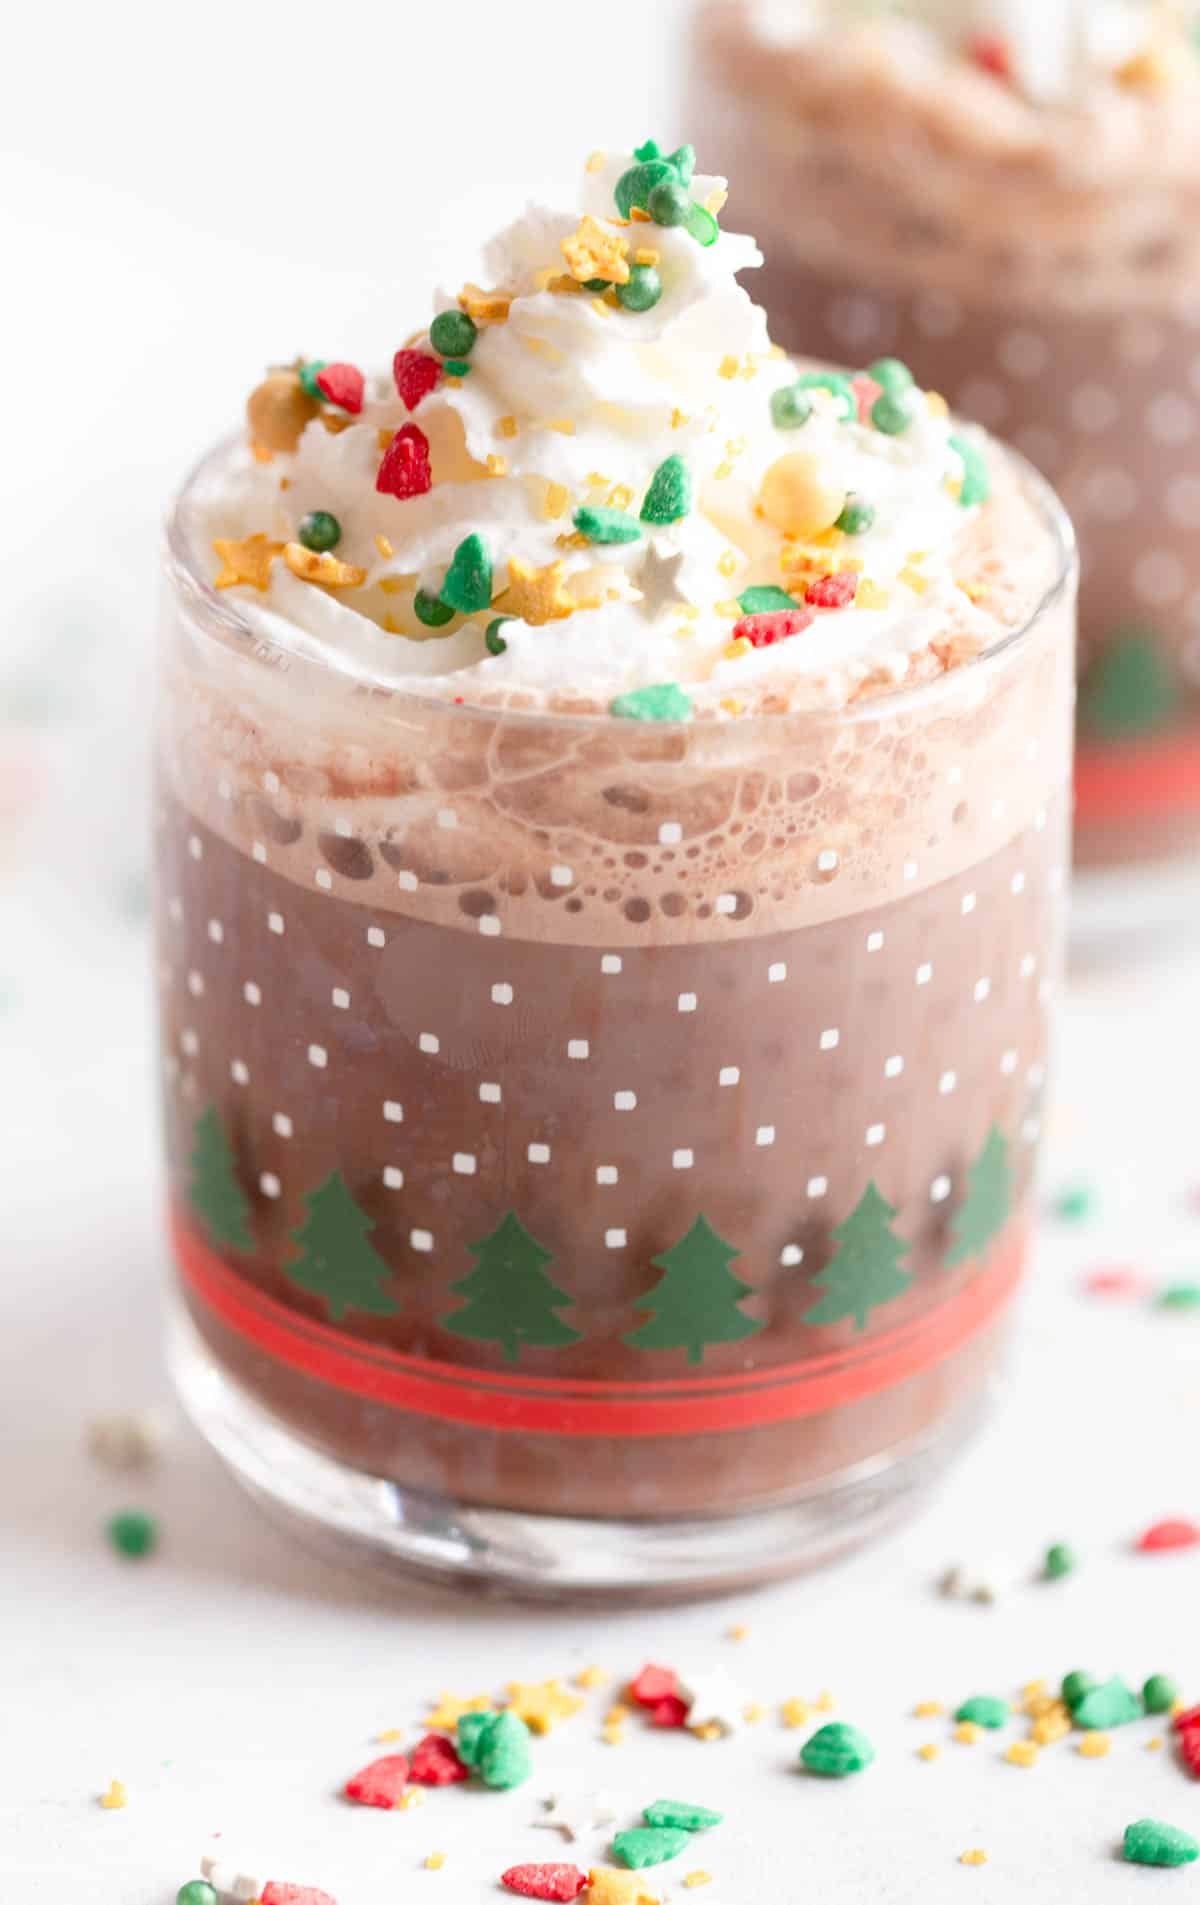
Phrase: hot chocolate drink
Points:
(612, 836)
(1005, 196)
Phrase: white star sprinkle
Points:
(575, 1814)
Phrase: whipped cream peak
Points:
(594, 475)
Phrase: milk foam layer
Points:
(571, 400)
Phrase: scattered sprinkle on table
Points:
(694, 1879)
(928, 1709)
(1179, 1296)
(984, 1709)
(133, 1534)
(836, 1750)
(1164, 1537)
(681, 1813)
(1074, 1204)
(542, 1704)
(116, 1797)
(1060, 1560)
(1094, 1745)
(591, 1677)
(1152, 1842)
(976, 1856)
(1159, 1693)
(197, 1892)
(967, 1733)
(929, 1751)
(1022, 1753)
(1112, 1704)
(450, 1709)
(434, 1861)
(794, 1712)
(608, 1886)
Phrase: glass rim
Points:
(217, 608)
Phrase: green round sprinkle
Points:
(764, 599)
(668, 202)
(1179, 1296)
(790, 408)
(635, 186)
(308, 378)
(431, 610)
(891, 374)
(133, 1534)
(453, 334)
(503, 1757)
(837, 1750)
(662, 701)
(680, 1812)
(649, 1845)
(1076, 1684)
(456, 367)
(1160, 1693)
(196, 1892)
(977, 484)
(669, 497)
(857, 517)
(1113, 1704)
(468, 583)
(985, 1709)
(1153, 1842)
(643, 290)
(600, 523)
(891, 414)
(837, 386)
(1060, 1560)
(320, 531)
(701, 224)
(493, 640)
(1075, 1203)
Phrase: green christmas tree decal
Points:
(336, 1262)
(1130, 688)
(695, 1301)
(509, 1299)
(988, 1201)
(215, 1194)
(864, 1270)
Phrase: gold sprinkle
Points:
(597, 481)
(730, 608)
(506, 426)
(486, 307)
(723, 470)
(334, 423)
(542, 1704)
(389, 1735)
(593, 251)
(613, 1735)
(749, 369)
(694, 1879)
(709, 1732)
(543, 348)
(917, 582)
(976, 1856)
(715, 202)
(620, 496)
(323, 568)
(794, 1712)
(447, 1713)
(870, 595)
(383, 438)
(731, 705)
(1154, 1745)
(391, 626)
(556, 501)
(739, 1632)
(617, 1714)
(929, 1751)
(434, 1861)
(754, 1714)
(734, 650)
(116, 1797)
(679, 418)
(497, 465)
(1022, 1753)
(966, 1732)
(917, 556)
(591, 1677)
(735, 446)
(261, 454)
(728, 367)
(639, 217)
(1049, 1727)
(1094, 1745)
(975, 591)
(936, 404)
(645, 255)
(393, 584)
(602, 307)
(384, 547)
(246, 561)
(596, 161)
(563, 426)
(728, 564)
(928, 1709)
(824, 1701)
(1147, 72)
(410, 1797)
(953, 486)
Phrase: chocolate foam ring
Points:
(692, 1405)
(1132, 780)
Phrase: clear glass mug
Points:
(1053, 300)
(600, 1154)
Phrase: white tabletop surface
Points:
(233, 1682)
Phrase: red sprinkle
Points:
(866, 393)
(545, 1881)
(1165, 1535)
(1189, 1749)
(654, 1683)
(435, 1763)
(405, 469)
(381, 1783)
(1121, 1280)
(670, 1712)
(343, 385)
(992, 52)
(278, 1892)
(416, 374)
(833, 591)
(775, 625)
(1188, 1721)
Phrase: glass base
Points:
(352, 1517)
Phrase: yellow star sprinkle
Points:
(607, 1886)
(445, 1716)
(323, 568)
(486, 307)
(115, 1797)
(594, 252)
(678, 418)
(536, 595)
(620, 496)
(542, 1704)
(794, 1712)
(246, 561)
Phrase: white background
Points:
(186, 197)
